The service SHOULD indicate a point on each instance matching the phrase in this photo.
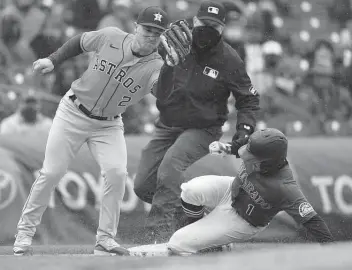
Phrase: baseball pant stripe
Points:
(29, 196)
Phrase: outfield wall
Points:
(322, 166)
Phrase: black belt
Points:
(88, 113)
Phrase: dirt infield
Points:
(244, 257)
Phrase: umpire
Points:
(192, 99)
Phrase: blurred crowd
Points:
(297, 53)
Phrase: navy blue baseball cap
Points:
(153, 16)
(212, 11)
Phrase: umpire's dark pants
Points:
(161, 170)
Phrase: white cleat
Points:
(109, 247)
(22, 245)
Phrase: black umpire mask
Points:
(205, 37)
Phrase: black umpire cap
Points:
(212, 11)
(153, 16)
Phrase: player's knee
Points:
(187, 193)
(190, 192)
(199, 183)
(180, 244)
(140, 183)
(116, 177)
(143, 193)
(170, 170)
(138, 190)
(144, 186)
(120, 173)
(202, 190)
(53, 175)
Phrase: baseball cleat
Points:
(22, 245)
(109, 247)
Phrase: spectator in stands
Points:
(85, 14)
(51, 36)
(105, 6)
(289, 70)
(28, 21)
(284, 7)
(268, 11)
(272, 52)
(120, 17)
(321, 78)
(260, 26)
(235, 26)
(10, 29)
(28, 120)
(254, 26)
(340, 11)
(332, 99)
(264, 78)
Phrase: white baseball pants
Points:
(69, 131)
(221, 226)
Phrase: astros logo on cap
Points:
(213, 10)
(158, 17)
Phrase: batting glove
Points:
(240, 138)
(219, 148)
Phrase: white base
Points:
(103, 253)
(154, 250)
(149, 250)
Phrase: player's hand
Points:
(219, 148)
(240, 138)
(43, 66)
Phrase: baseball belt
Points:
(88, 113)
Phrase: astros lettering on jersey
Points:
(122, 77)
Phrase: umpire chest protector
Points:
(201, 87)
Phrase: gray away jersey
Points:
(115, 78)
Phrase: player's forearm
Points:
(163, 87)
(247, 110)
(318, 228)
(69, 49)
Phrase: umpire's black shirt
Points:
(195, 94)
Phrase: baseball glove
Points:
(176, 41)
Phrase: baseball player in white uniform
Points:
(122, 71)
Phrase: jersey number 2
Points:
(125, 99)
(249, 209)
